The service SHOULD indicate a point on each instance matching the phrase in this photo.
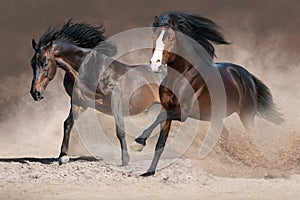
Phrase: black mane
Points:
(201, 29)
(80, 34)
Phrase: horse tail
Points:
(265, 105)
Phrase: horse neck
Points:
(180, 64)
(187, 71)
(69, 57)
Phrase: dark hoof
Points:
(148, 174)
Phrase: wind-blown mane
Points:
(201, 29)
(80, 34)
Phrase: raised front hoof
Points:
(137, 146)
(63, 160)
(148, 174)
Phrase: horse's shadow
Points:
(46, 160)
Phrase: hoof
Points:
(63, 160)
(136, 146)
(124, 163)
(148, 174)
(125, 160)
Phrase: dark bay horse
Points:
(244, 93)
(67, 47)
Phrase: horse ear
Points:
(156, 19)
(33, 43)
(173, 22)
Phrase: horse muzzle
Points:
(37, 95)
(156, 67)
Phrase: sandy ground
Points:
(93, 180)
(237, 168)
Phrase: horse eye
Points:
(171, 39)
(45, 64)
(46, 70)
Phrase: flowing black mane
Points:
(80, 34)
(201, 29)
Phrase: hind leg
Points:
(247, 118)
(225, 133)
(248, 110)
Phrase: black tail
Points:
(265, 104)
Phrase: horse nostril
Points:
(158, 61)
(39, 95)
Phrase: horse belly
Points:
(142, 98)
(202, 109)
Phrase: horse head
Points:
(44, 69)
(66, 47)
(164, 45)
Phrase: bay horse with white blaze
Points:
(245, 94)
(66, 47)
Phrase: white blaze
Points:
(156, 60)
